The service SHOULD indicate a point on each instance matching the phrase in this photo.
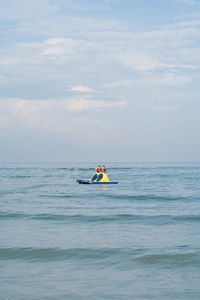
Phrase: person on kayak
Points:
(98, 170)
(103, 170)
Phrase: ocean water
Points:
(139, 239)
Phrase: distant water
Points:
(136, 240)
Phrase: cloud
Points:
(190, 23)
(87, 104)
(27, 9)
(147, 51)
(188, 1)
(81, 88)
(51, 113)
(145, 80)
(58, 47)
(171, 79)
(20, 9)
(101, 54)
(139, 61)
(168, 108)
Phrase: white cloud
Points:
(87, 104)
(10, 61)
(188, 1)
(142, 52)
(77, 48)
(190, 23)
(20, 9)
(64, 25)
(81, 88)
(51, 113)
(170, 79)
(58, 47)
(139, 60)
(167, 108)
(147, 80)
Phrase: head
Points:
(103, 167)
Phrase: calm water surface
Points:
(136, 240)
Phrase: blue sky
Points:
(106, 80)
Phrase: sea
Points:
(139, 239)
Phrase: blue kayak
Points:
(82, 181)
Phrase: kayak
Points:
(97, 178)
(82, 181)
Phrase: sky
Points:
(99, 80)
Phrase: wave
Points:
(91, 168)
(125, 258)
(20, 176)
(78, 218)
(175, 259)
(147, 197)
(114, 197)
(74, 168)
(59, 196)
(47, 254)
